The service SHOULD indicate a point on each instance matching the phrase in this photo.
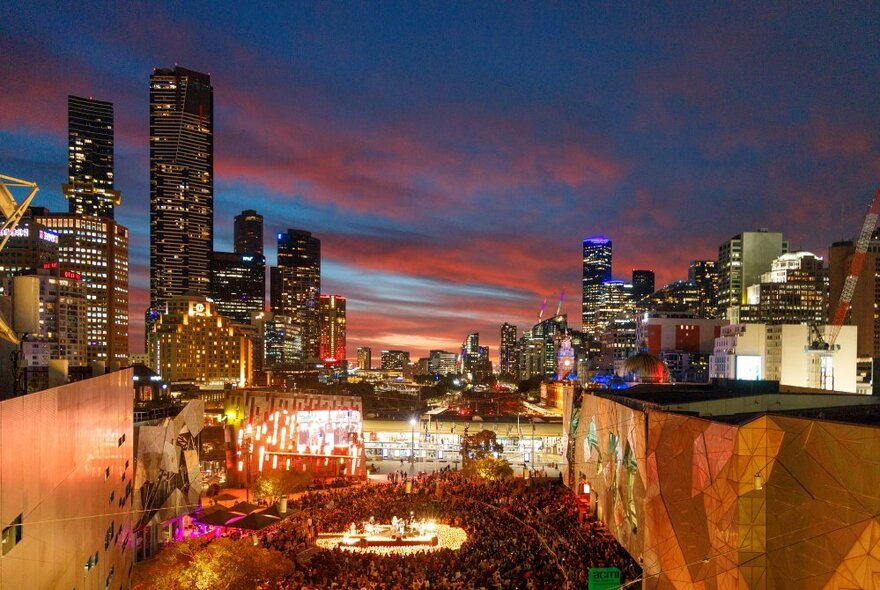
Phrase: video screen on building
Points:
(327, 428)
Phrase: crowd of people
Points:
(521, 535)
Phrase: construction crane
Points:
(12, 213)
(823, 346)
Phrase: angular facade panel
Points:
(66, 473)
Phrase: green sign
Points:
(604, 578)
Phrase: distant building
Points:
(238, 284)
(365, 358)
(278, 342)
(704, 274)
(395, 360)
(248, 233)
(596, 271)
(643, 283)
(295, 285)
(680, 297)
(683, 340)
(196, 345)
(332, 344)
(742, 260)
(617, 298)
(441, 362)
(507, 350)
(794, 291)
(89, 189)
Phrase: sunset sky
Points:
(451, 157)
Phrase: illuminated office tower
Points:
(643, 283)
(395, 360)
(31, 247)
(96, 248)
(89, 188)
(794, 291)
(295, 285)
(181, 185)
(365, 358)
(332, 342)
(249, 232)
(597, 270)
(238, 284)
(742, 260)
(704, 274)
(507, 350)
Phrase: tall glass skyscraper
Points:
(181, 184)
(295, 285)
(249, 232)
(597, 270)
(89, 188)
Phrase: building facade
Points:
(781, 352)
(742, 260)
(795, 290)
(63, 312)
(181, 185)
(66, 485)
(31, 247)
(704, 274)
(395, 360)
(193, 344)
(596, 272)
(507, 350)
(89, 188)
(238, 284)
(643, 283)
(732, 490)
(248, 232)
(365, 358)
(96, 249)
(332, 344)
(295, 285)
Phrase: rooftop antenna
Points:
(559, 307)
(541, 313)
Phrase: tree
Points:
(478, 446)
(274, 485)
(490, 468)
(218, 563)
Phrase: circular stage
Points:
(440, 537)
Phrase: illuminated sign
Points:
(48, 265)
(19, 232)
(69, 274)
(48, 237)
(748, 367)
(247, 258)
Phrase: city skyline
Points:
(446, 203)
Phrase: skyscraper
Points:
(365, 358)
(643, 283)
(89, 187)
(249, 232)
(238, 284)
(332, 344)
(507, 350)
(704, 274)
(181, 184)
(794, 291)
(295, 284)
(238, 279)
(742, 260)
(597, 270)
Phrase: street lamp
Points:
(412, 440)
